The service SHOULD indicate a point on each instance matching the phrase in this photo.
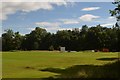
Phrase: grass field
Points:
(43, 64)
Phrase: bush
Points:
(51, 48)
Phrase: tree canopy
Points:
(87, 38)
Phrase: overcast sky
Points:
(53, 16)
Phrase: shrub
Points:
(51, 48)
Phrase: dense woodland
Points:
(97, 37)
(87, 38)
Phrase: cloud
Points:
(110, 21)
(69, 21)
(9, 8)
(107, 20)
(90, 8)
(56, 0)
(107, 24)
(88, 17)
(50, 26)
(31, 28)
(33, 0)
(65, 28)
(111, 17)
(54, 24)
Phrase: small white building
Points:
(62, 49)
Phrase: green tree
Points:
(35, 38)
(116, 13)
(63, 38)
(51, 48)
(7, 40)
(47, 41)
(17, 40)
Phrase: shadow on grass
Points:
(81, 72)
(86, 71)
(107, 59)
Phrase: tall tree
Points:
(7, 40)
(116, 13)
(17, 40)
(62, 38)
(34, 39)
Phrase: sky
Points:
(54, 16)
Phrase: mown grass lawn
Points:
(31, 64)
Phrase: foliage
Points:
(51, 48)
(92, 38)
(116, 13)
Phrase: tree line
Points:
(87, 38)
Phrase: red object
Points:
(105, 50)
